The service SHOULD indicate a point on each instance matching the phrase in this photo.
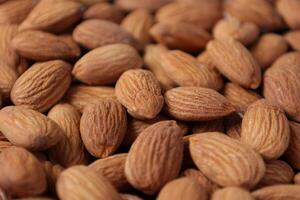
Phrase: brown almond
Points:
(103, 127)
(8, 76)
(147, 168)
(139, 91)
(70, 149)
(80, 182)
(104, 65)
(297, 179)
(266, 129)
(268, 48)
(196, 104)
(4, 145)
(95, 33)
(278, 192)
(22, 175)
(80, 96)
(293, 150)
(204, 58)
(28, 128)
(128, 5)
(239, 97)
(183, 188)
(42, 85)
(130, 197)
(293, 37)
(290, 58)
(52, 172)
(207, 126)
(104, 11)
(244, 71)
(289, 11)
(226, 161)
(112, 168)
(232, 193)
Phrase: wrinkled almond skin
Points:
(281, 86)
(293, 150)
(244, 32)
(103, 127)
(104, 65)
(266, 129)
(94, 33)
(22, 175)
(261, 13)
(290, 58)
(70, 149)
(170, 34)
(128, 5)
(43, 85)
(268, 48)
(185, 70)
(80, 182)
(293, 37)
(28, 128)
(289, 11)
(183, 188)
(232, 193)
(155, 157)
(196, 104)
(244, 71)
(42, 46)
(239, 97)
(139, 91)
(52, 172)
(278, 192)
(80, 96)
(277, 172)
(104, 11)
(212, 152)
(112, 168)
(207, 126)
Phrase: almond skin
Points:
(80, 182)
(293, 151)
(297, 179)
(185, 70)
(4, 145)
(146, 167)
(225, 161)
(53, 16)
(170, 34)
(22, 175)
(293, 37)
(266, 129)
(139, 91)
(112, 168)
(70, 149)
(28, 128)
(128, 5)
(232, 193)
(281, 86)
(244, 71)
(8, 76)
(183, 188)
(43, 46)
(289, 11)
(104, 11)
(104, 65)
(130, 197)
(80, 96)
(290, 58)
(278, 192)
(94, 33)
(43, 85)
(196, 104)
(103, 126)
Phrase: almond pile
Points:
(150, 99)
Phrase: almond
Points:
(43, 85)
(128, 5)
(290, 58)
(94, 33)
(226, 161)
(8, 76)
(268, 48)
(80, 96)
(52, 173)
(261, 13)
(146, 167)
(288, 10)
(183, 188)
(139, 91)
(138, 23)
(4, 145)
(244, 71)
(70, 149)
(293, 37)
(239, 97)
(170, 34)
(185, 70)
(53, 16)
(21, 173)
(293, 151)
(112, 168)
(204, 58)
(104, 65)
(297, 179)
(281, 86)
(207, 126)
(104, 11)
(90, 2)
(28, 128)
(130, 197)
(244, 32)
(277, 172)
(103, 126)
(80, 182)
(278, 192)
(266, 129)
(196, 104)
(232, 193)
